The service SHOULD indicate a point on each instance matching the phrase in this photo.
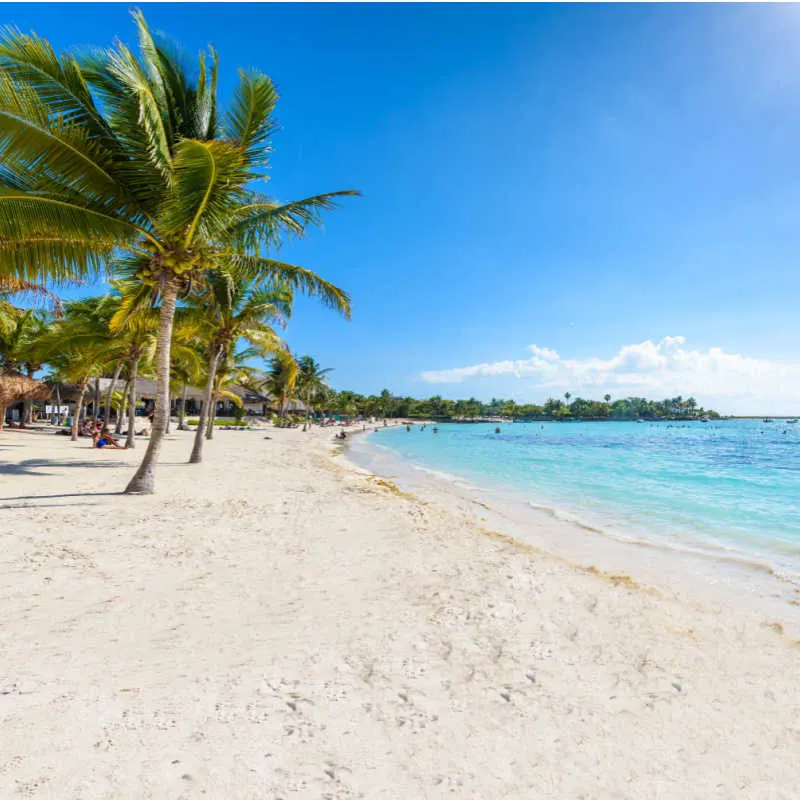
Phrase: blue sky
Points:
(592, 180)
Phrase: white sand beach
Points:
(274, 623)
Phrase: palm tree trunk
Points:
(58, 405)
(110, 392)
(78, 409)
(169, 412)
(182, 419)
(144, 481)
(123, 405)
(27, 406)
(308, 410)
(130, 441)
(96, 400)
(212, 416)
(197, 450)
(2, 416)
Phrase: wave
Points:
(706, 550)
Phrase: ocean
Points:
(726, 489)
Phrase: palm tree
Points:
(345, 404)
(236, 308)
(20, 338)
(124, 160)
(232, 370)
(11, 287)
(135, 326)
(186, 370)
(31, 327)
(80, 346)
(607, 398)
(311, 381)
(567, 396)
(281, 379)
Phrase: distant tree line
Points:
(630, 408)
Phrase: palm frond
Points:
(135, 312)
(35, 144)
(54, 259)
(152, 114)
(232, 396)
(30, 291)
(206, 188)
(25, 214)
(133, 164)
(249, 120)
(273, 302)
(299, 278)
(265, 340)
(161, 75)
(205, 107)
(263, 221)
(31, 61)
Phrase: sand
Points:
(276, 624)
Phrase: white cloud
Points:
(662, 369)
(543, 352)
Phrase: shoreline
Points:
(277, 622)
(720, 579)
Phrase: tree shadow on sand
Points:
(40, 467)
(32, 501)
(33, 466)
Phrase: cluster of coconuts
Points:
(175, 260)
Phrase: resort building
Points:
(64, 397)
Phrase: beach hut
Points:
(16, 388)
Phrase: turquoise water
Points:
(729, 487)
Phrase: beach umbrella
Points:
(14, 387)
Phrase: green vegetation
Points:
(630, 408)
(232, 423)
(281, 380)
(311, 383)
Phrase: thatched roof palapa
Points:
(14, 386)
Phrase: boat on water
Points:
(791, 421)
(767, 419)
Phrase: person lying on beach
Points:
(106, 439)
